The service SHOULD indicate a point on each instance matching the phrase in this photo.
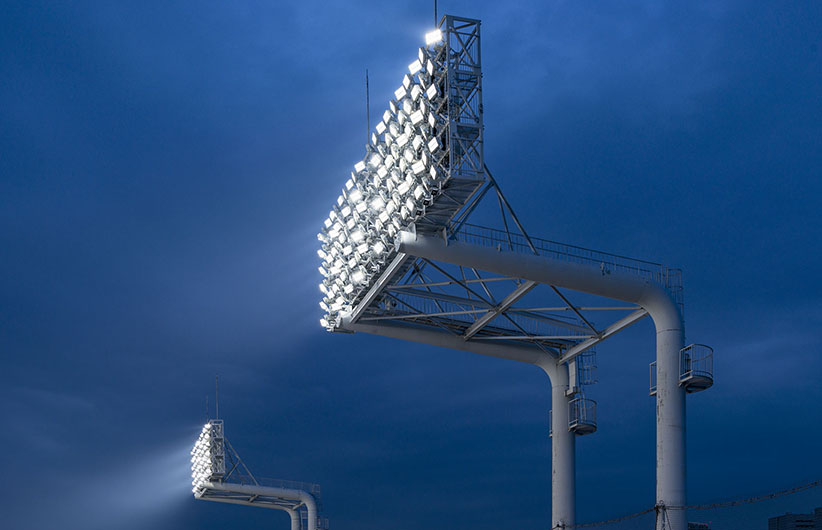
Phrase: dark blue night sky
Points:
(165, 167)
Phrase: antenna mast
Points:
(217, 397)
(367, 110)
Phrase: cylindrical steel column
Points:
(255, 490)
(311, 506)
(563, 462)
(670, 432)
(295, 518)
(563, 458)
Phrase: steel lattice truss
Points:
(224, 467)
(469, 303)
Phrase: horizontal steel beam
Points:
(530, 354)
(446, 283)
(442, 297)
(533, 337)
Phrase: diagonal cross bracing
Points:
(507, 302)
(617, 326)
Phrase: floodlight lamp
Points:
(390, 187)
(433, 37)
(357, 236)
(407, 107)
(208, 456)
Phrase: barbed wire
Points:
(609, 521)
(710, 506)
(751, 500)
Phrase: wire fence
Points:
(709, 506)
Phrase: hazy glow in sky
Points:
(164, 169)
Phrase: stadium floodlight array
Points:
(208, 456)
(402, 174)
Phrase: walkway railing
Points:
(670, 278)
(696, 360)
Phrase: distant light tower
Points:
(400, 260)
(211, 482)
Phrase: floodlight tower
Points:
(401, 261)
(212, 455)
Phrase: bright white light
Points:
(403, 172)
(208, 456)
(433, 37)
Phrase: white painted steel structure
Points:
(650, 296)
(219, 475)
(401, 261)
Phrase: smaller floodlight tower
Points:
(211, 456)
